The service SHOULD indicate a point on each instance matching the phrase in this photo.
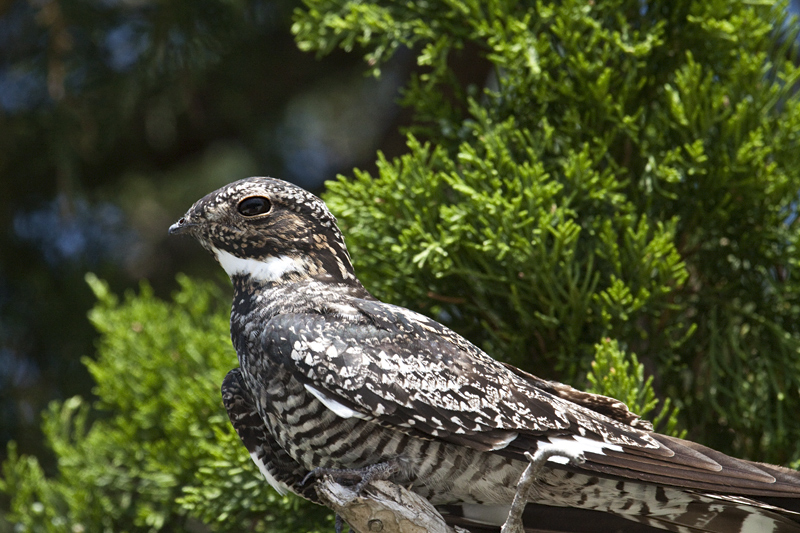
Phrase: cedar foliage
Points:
(622, 183)
(629, 170)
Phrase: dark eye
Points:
(255, 205)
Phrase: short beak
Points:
(181, 226)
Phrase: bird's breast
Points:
(316, 436)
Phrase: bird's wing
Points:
(403, 370)
(277, 467)
(605, 405)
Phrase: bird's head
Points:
(269, 231)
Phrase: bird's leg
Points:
(339, 524)
(529, 476)
(378, 471)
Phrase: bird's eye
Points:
(255, 205)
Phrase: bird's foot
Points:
(378, 471)
(536, 463)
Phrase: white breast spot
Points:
(338, 408)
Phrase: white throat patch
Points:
(268, 270)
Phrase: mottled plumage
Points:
(330, 377)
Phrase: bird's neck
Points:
(255, 304)
(262, 297)
(285, 284)
(279, 269)
(266, 271)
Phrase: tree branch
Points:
(382, 506)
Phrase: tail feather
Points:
(707, 515)
(693, 466)
(594, 505)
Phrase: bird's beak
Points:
(181, 226)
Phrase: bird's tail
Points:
(602, 505)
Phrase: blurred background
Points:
(115, 116)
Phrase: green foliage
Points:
(156, 451)
(621, 169)
(622, 377)
(497, 243)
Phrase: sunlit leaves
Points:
(619, 375)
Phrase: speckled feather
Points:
(331, 377)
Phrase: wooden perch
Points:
(382, 506)
(389, 508)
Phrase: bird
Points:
(331, 379)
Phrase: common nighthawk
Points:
(332, 378)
